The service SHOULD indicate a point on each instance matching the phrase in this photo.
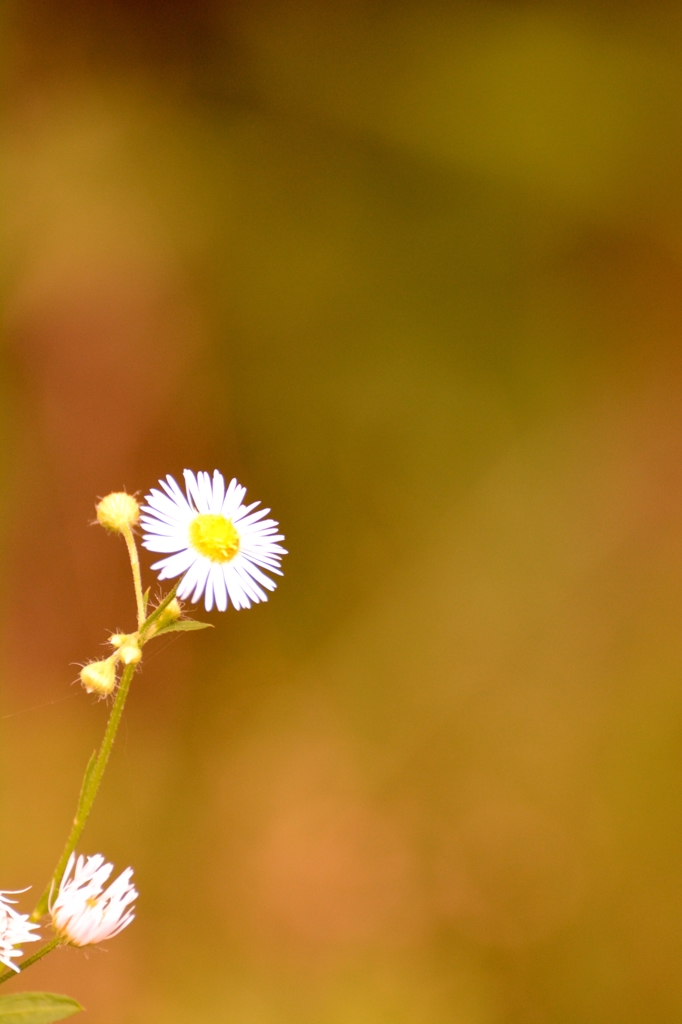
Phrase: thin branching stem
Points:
(137, 578)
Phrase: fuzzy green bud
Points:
(118, 511)
(170, 614)
(99, 676)
(129, 652)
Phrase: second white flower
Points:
(84, 912)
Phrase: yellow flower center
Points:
(214, 537)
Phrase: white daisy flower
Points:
(83, 912)
(219, 543)
(14, 929)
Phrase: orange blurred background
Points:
(413, 273)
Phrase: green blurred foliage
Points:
(413, 273)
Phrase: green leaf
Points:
(184, 625)
(36, 1008)
(86, 782)
(145, 598)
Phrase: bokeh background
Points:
(413, 272)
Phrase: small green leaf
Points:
(36, 1008)
(145, 598)
(86, 781)
(184, 625)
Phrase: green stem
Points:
(91, 784)
(135, 566)
(43, 951)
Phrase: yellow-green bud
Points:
(117, 511)
(99, 676)
(171, 613)
(129, 652)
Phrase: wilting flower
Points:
(219, 543)
(14, 929)
(83, 912)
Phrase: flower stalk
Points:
(137, 578)
(43, 951)
(91, 783)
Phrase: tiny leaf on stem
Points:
(36, 1008)
(184, 624)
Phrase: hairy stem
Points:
(135, 566)
(91, 783)
(43, 951)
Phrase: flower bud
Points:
(99, 676)
(129, 652)
(117, 511)
(171, 613)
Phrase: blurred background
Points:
(413, 273)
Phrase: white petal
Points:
(243, 510)
(163, 505)
(172, 489)
(218, 493)
(195, 576)
(271, 563)
(219, 588)
(206, 490)
(194, 492)
(160, 527)
(234, 588)
(248, 566)
(249, 585)
(208, 591)
(175, 490)
(245, 520)
(202, 580)
(233, 499)
(154, 542)
(175, 565)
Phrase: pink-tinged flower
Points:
(84, 912)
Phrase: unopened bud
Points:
(129, 652)
(117, 511)
(171, 613)
(99, 676)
